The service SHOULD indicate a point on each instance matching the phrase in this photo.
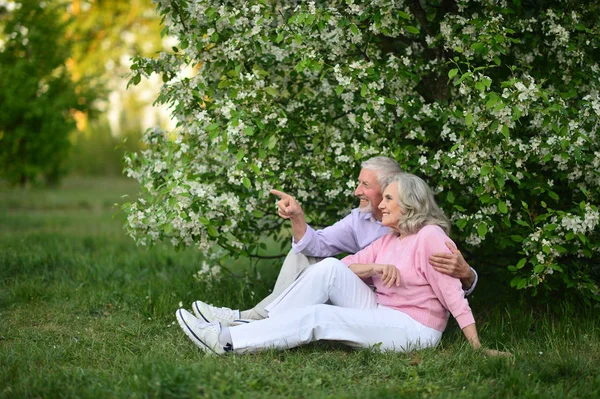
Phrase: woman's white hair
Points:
(416, 200)
(386, 168)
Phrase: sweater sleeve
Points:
(447, 289)
(366, 255)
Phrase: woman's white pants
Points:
(329, 302)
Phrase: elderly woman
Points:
(332, 300)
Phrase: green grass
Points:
(86, 313)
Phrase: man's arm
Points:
(329, 241)
(289, 208)
(453, 264)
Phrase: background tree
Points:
(495, 102)
(106, 35)
(38, 95)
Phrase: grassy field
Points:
(85, 313)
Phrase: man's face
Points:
(369, 193)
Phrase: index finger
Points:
(278, 193)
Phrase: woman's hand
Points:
(390, 275)
(496, 353)
(471, 334)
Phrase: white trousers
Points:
(300, 315)
(291, 269)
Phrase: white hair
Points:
(386, 168)
(416, 200)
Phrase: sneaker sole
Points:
(191, 335)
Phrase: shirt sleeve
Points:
(447, 289)
(329, 241)
(472, 287)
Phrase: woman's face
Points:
(389, 207)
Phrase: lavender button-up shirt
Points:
(351, 234)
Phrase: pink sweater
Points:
(424, 294)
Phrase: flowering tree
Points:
(494, 102)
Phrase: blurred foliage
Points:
(39, 96)
(107, 34)
(63, 66)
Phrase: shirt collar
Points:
(368, 216)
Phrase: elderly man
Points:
(349, 235)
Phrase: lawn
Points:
(86, 313)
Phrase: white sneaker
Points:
(204, 335)
(213, 314)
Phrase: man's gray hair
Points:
(386, 168)
(416, 200)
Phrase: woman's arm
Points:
(470, 332)
(390, 275)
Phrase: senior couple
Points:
(396, 291)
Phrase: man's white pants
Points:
(300, 315)
(293, 266)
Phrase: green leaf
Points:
(553, 195)
(485, 170)
(569, 236)
(493, 100)
(469, 119)
(550, 227)
(522, 223)
(450, 197)
(249, 131)
(482, 230)
(258, 214)
(412, 29)
(363, 90)
(272, 142)
(452, 73)
(515, 281)
(463, 77)
(505, 131)
(339, 90)
(212, 231)
(461, 223)
(271, 91)
(212, 127)
(246, 182)
(521, 263)
(538, 268)
(502, 207)
(516, 238)
(167, 228)
(240, 154)
(354, 29)
(404, 15)
(560, 249)
(478, 47)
